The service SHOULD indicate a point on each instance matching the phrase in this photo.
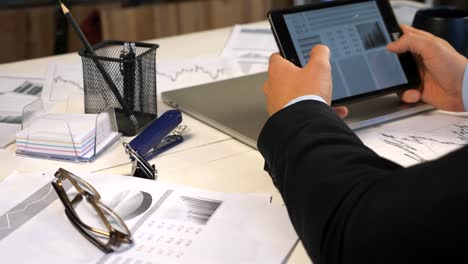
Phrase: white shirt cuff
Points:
(465, 89)
(306, 97)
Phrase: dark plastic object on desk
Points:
(447, 23)
(152, 141)
(151, 136)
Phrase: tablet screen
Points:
(357, 38)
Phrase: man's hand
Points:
(286, 81)
(441, 68)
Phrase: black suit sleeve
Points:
(348, 205)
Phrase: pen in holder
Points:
(132, 68)
(127, 68)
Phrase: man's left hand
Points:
(286, 81)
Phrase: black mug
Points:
(447, 23)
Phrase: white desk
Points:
(208, 159)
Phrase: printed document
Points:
(169, 223)
(16, 92)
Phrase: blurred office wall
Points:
(31, 32)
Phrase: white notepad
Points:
(75, 137)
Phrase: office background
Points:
(36, 28)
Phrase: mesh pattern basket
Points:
(134, 78)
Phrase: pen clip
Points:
(123, 56)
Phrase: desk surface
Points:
(208, 159)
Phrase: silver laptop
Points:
(237, 107)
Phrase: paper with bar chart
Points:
(203, 227)
(251, 47)
(16, 92)
(169, 223)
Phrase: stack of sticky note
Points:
(75, 137)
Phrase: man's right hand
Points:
(441, 68)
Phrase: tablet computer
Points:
(357, 33)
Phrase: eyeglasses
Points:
(112, 233)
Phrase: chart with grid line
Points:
(417, 139)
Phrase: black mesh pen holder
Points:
(131, 75)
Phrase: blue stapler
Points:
(152, 141)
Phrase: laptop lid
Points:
(237, 107)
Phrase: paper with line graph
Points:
(169, 223)
(63, 80)
(418, 138)
(177, 74)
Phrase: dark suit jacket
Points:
(348, 205)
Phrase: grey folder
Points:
(237, 107)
